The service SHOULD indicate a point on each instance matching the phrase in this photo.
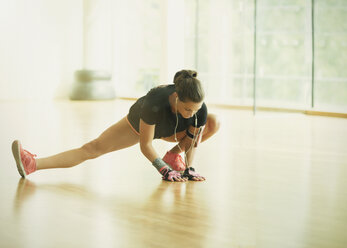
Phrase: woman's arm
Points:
(193, 139)
(146, 138)
(191, 143)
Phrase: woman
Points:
(175, 113)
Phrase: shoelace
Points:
(179, 159)
(28, 157)
(30, 154)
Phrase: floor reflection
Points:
(172, 214)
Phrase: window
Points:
(152, 39)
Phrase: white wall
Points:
(40, 47)
(175, 38)
(97, 36)
(42, 43)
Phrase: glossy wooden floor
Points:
(275, 180)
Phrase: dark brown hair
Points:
(188, 87)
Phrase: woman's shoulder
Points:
(203, 110)
(157, 99)
(160, 92)
(163, 89)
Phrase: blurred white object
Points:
(92, 85)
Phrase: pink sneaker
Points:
(175, 161)
(25, 161)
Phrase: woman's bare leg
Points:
(116, 137)
(212, 126)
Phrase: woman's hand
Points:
(190, 174)
(173, 176)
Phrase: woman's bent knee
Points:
(213, 123)
(92, 149)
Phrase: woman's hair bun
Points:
(188, 87)
(190, 73)
(185, 74)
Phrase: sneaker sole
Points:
(16, 155)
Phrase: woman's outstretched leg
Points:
(116, 137)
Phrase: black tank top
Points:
(154, 109)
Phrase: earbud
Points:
(176, 103)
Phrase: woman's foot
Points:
(26, 163)
(175, 161)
